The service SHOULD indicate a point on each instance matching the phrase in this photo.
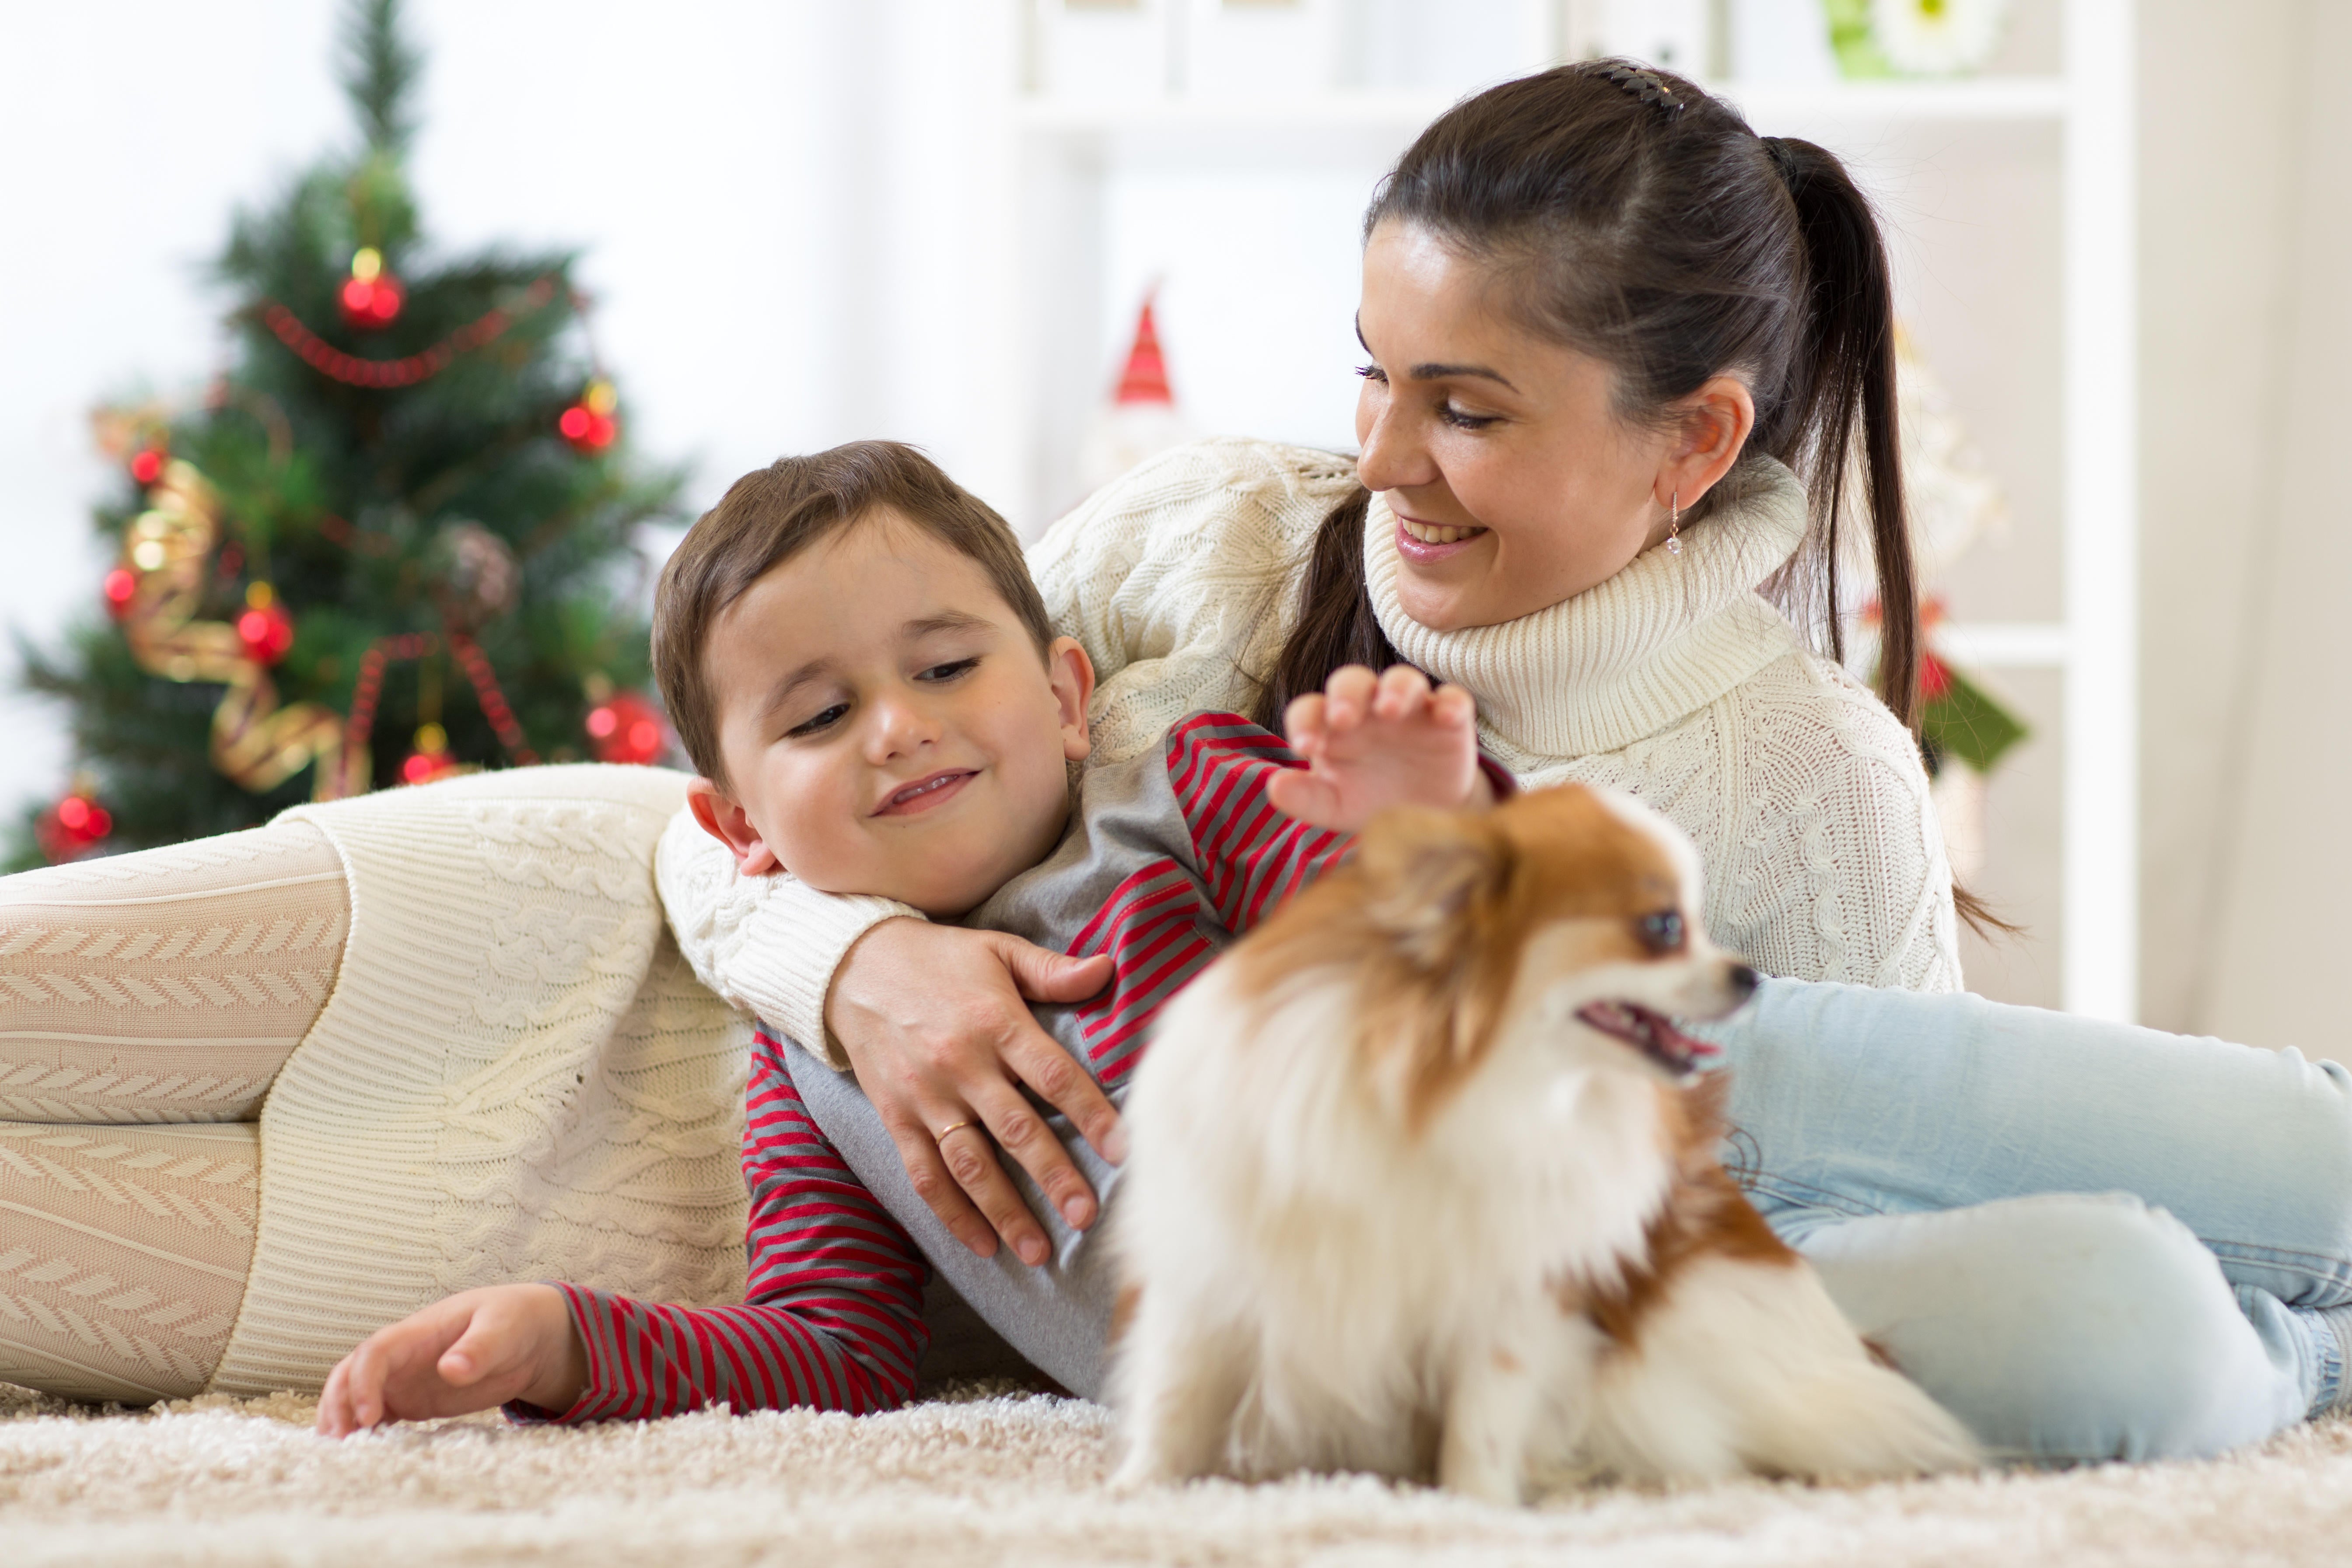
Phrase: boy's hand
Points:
(1373, 741)
(473, 1352)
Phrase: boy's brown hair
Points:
(773, 513)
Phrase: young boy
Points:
(863, 675)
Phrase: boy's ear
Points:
(727, 822)
(1072, 674)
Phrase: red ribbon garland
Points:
(382, 373)
(470, 658)
(476, 665)
(414, 644)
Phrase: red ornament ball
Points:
(372, 304)
(147, 467)
(120, 586)
(84, 818)
(264, 628)
(72, 828)
(372, 296)
(424, 767)
(586, 430)
(625, 728)
(431, 760)
(590, 425)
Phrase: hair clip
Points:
(1648, 86)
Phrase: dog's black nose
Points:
(1745, 980)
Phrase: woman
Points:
(1604, 323)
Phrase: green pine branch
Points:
(379, 74)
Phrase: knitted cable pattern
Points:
(123, 1255)
(516, 1077)
(167, 986)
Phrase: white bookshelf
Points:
(1075, 274)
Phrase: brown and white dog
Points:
(1421, 1184)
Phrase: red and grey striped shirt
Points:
(1169, 857)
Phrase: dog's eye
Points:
(1662, 932)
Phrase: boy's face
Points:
(886, 724)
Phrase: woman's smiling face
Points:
(1514, 482)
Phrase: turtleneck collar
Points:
(1623, 660)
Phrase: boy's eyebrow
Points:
(1434, 372)
(946, 621)
(782, 691)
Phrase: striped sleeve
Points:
(832, 1310)
(1252, 858)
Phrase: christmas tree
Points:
(395, 539)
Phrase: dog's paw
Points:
(1141, 1472)
(1482, 1483)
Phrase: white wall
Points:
(2283, 840)
(2220, 159)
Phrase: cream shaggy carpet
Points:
(1018, 1479)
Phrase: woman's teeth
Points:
(1431, 533)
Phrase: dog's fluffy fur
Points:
(1420, 1184)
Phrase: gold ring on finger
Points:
(941, 1136)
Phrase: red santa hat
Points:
(1141, 418)
(1145, 379)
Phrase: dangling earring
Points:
(1674, 524)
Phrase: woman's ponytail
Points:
(1842, 385)
(1335, 623)
(1844, 376)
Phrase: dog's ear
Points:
(1426, 875)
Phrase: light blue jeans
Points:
(2088, 1241)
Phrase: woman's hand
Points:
(475, 1350)
(1373, 741)
(935, 1021)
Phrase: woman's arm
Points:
(1180, 577)
(1835, 868)
(768, 945)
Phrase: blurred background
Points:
(2119, 228)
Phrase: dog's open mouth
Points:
(1648, 1032)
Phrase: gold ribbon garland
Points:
(255, 743)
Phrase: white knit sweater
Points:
(515, 1076)
(1672, 680)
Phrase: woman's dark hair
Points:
(1641, 222)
